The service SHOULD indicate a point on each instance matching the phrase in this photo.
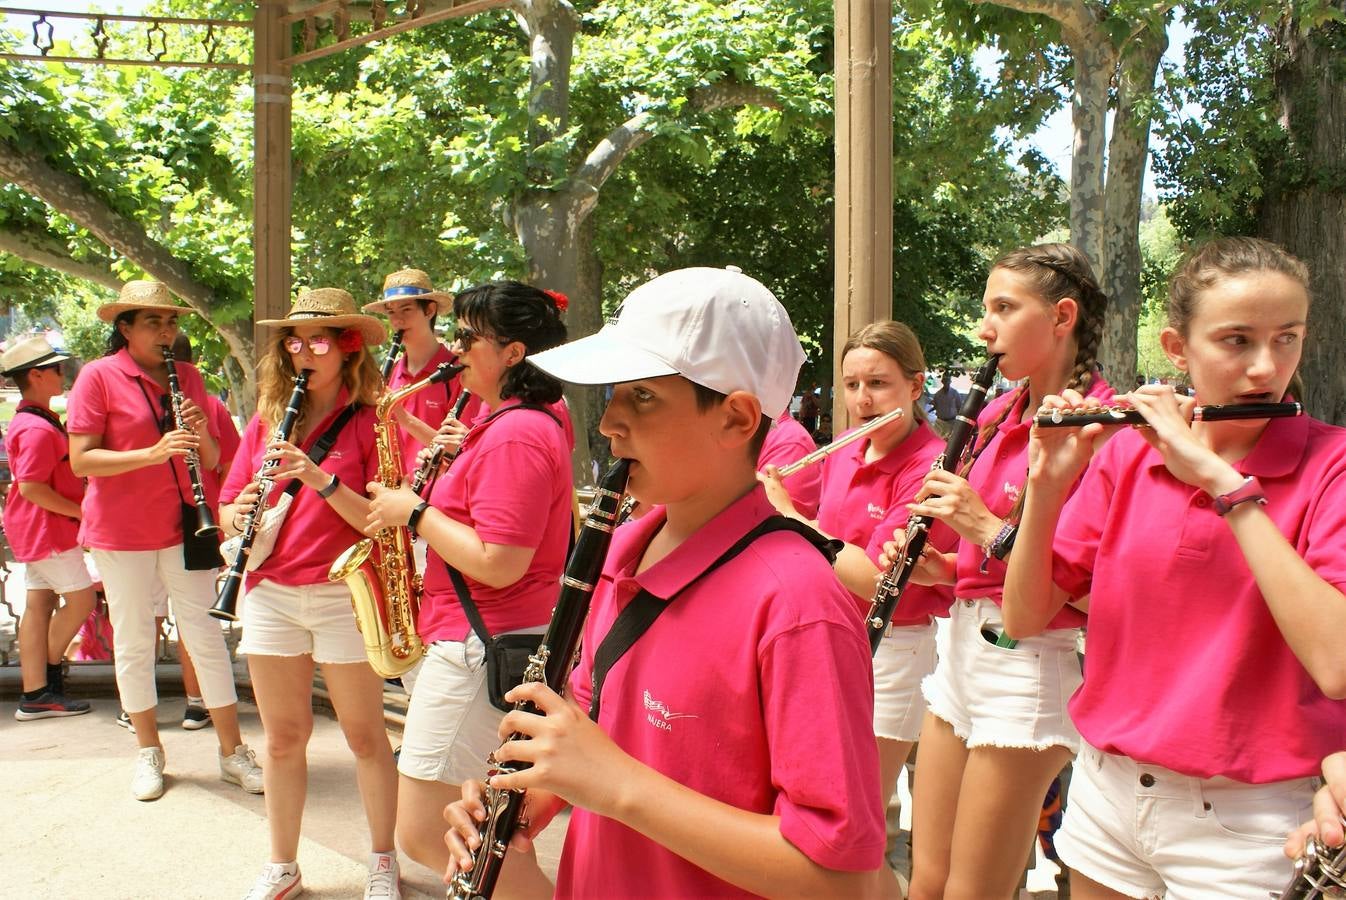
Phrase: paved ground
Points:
(70, 827)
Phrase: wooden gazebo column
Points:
(864, 175)
(271, 165)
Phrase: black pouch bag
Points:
(506, 655)
(198, 553)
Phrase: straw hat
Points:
(29, 353)
(406, 284)
(331, 308)
(142, 295)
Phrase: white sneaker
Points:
(382, 883)
(241, 769)
(278, 881)
(148, 781)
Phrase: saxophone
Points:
(385, 587)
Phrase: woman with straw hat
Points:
(293, 618)
(123, 438)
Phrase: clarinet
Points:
(205, 521)
(894, 581)
(551, 664)
(1125, 415)
(1319, 873)
(426, 474)
(394, 348)
(226, 605)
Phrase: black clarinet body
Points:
(429, 470)
(226, 604)
(394, 348)
(551, 664)
(894, 581)
(205, 519)
(1125, 415)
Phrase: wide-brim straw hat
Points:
(406, 284)
(142, 295)
(330, 308)
(29, 353)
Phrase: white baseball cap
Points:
(718, 328)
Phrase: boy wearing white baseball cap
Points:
(726, 747)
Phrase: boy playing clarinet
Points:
(726, 748)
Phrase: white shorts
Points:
(160, 597)
(61, 573)
(905, 657)
(1000, 697)
(451, 725)
(1147, 832)
(308, 620)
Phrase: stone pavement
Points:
(70, 828)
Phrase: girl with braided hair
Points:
(1216, 680)
(996, 732)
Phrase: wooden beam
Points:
(272, 92)
(459, 10)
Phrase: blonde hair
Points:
(276, 373)
(892, 339)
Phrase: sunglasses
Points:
(49, 367)
(466, 337)
(318, 345)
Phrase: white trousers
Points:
(131, 581)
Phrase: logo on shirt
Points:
(334, 454)
(1012, 492)
(875, 511)
(665, 715)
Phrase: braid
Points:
(988, 431)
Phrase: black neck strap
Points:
(44, 414)
(318, 452)
(638, 615)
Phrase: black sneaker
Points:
(50, 705)
(196, 717)
(124, 720)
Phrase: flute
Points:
(429, 469)
(226, 604)
(205, 520)
(1125, 415)
(823, 452)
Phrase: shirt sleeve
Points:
(504, 507)
(1324, 543)
(245, 462)
(820, 730)
(87, 406)
(1080, 528)
(36, 451)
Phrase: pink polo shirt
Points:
(754, 687)
(511, 482)
(39, 453)
(226, 433)
(560, 409)
(430, 405)
(314, 534)
(1186, 666)
(788, 442)
(863, 502)
(140, 509)
(998, 476)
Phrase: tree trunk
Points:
(1306, 211)
(69, 195)
(1094, 66)
(51, 253)
(1128, 153)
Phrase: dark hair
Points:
(1216, 260)
(182, 348)
(513, 311)
(21, 379)
(1056, 271)
(116, 340)
(709, 398)
(425, 305)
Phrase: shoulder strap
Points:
(318, 452)
(44, 414)
(638, 615)
(537, 406)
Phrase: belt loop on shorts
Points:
(1201, 805)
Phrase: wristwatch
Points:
(414, 520)
(1248, 492)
